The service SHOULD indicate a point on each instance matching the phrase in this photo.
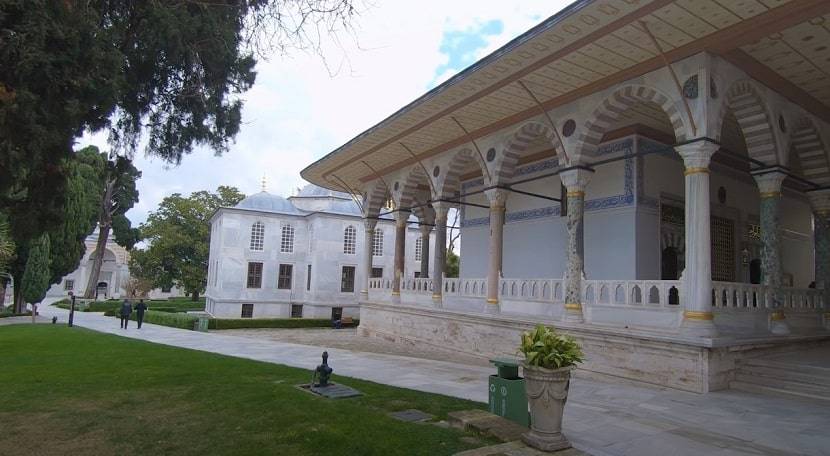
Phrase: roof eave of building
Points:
(462, 75)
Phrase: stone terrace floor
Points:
(601, 418)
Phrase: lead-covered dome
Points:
(314, 191)
(266, 202)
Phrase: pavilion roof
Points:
(589, 46)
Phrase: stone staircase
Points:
(783, 379)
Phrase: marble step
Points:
(760, 389)
(784, 384)
(781, 365)
(788, 374)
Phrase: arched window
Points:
(257, 236)
(377, 242)
(349, 240)
(287, 241)
(419, 247)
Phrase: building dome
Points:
(266, 202)
(314, 191)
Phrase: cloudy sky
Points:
(303, 107)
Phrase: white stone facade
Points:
(319, 220)
(114, 274)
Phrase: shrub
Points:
(244, 323)
(542, 347)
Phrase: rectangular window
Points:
(287, 241)
(254, 275)
(377, 243)
(69, 285)
(286, 271)
(257, 236)
(336, 313)
(296, 311)
(419, 247)
(350, 240)
(377, 273)
(417, 274)
(247, 311)
(347, 279)
(308, 279)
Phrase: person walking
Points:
(126, 311)
(139, 312)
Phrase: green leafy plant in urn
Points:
(548, 360)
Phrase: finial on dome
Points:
(263, 182)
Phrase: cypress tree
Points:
(36, 278)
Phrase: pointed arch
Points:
(754, 120)
(410, 191)
(374, 198)
(615, 105)
(507, 161)
(810, 149)
(449, 180)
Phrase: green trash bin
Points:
(202, 323)
(507, 395)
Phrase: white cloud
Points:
(297, 112)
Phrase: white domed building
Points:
(275, 257)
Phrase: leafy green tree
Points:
(35, 280)
(82, 197)
(170, 72)
(118, 194)
(453, 262)
(178, 234)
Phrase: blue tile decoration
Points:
(627, 198)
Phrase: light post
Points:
(71, 308)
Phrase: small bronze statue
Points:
(323, 372)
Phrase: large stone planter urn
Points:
(547, 391)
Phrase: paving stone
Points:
(411, 416)
(517, 448)
(487, 423)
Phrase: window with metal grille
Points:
(308, 279)
(257, 236)
(347, 279)
(69, 285)
(723, 249)
(377, 243)
(419, 247)
(296, 311)
(254, 275)
(349, 240)
(377, 273)
(287, 241)
(284, 281)
(247, 310)
(336, 313)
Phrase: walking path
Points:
(600, 418)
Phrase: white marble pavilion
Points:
(651, 177)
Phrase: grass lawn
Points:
(75, 391)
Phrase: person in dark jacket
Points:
(139, 312)
(126, 311)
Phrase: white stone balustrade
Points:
(546, 290)
(637, 293)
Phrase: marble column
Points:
(425, 232)
(497, 198)
(698, 319)
(401, 218)
(369, 225)
(439, 257)
(820, 203)
(575, 181)
(769, 186)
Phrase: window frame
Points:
(250, 313)
(289, 277)
(69, 285)
(254, 276)
(419, 248)
(257, 238)
(343, 278)
(350, 240)
(377, 243)
(287, 238)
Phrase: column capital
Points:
(441, 208)
(576, 179)
(370, 223)
(402, 217)
(769, 181)
(697, 155)
(497, 197)
(425, 229)
(820, 201)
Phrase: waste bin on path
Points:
(507, 395)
